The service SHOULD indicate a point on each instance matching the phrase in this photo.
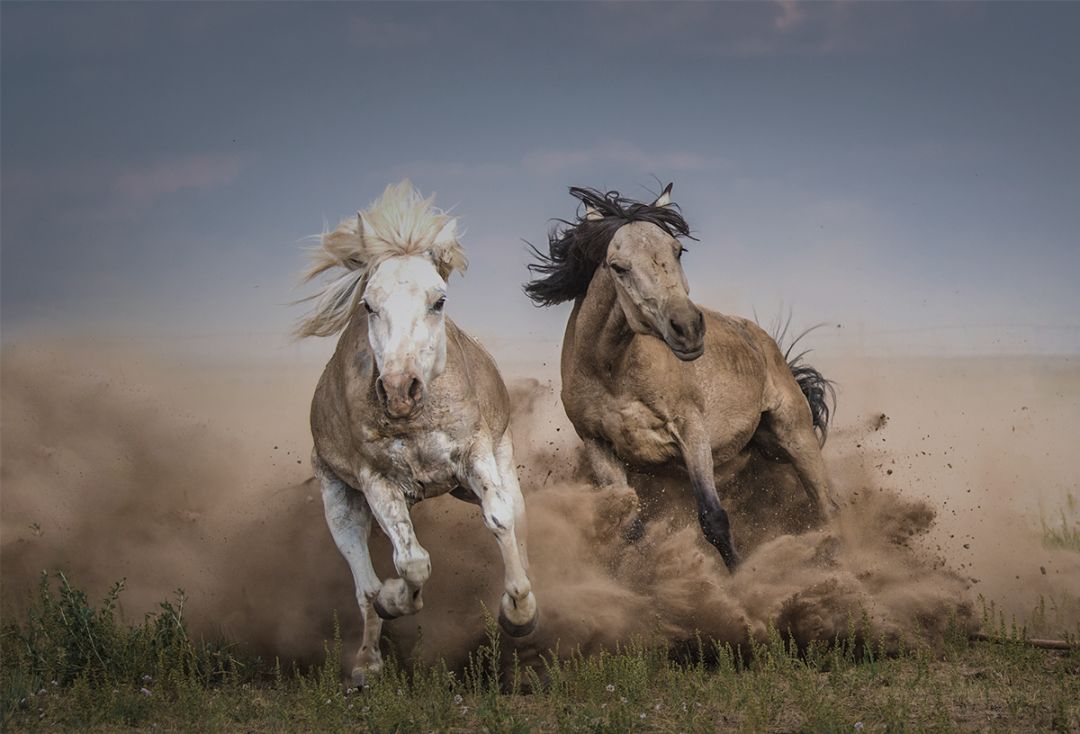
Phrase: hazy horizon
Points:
(907, 174)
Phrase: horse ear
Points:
(362, 227)
(592, 214)
(665, 196)
(448, 234)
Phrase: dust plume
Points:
(196, 476)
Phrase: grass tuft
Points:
(73, 665)
(1064, 532)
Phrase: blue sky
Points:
(908, 171)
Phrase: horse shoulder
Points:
(477, 371)
(637, 402)
(341, 400)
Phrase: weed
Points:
(73, 665)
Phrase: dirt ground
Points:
(192, 472)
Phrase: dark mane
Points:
(575, 249)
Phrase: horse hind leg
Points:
(624, 510)
(793, 428)
(349, 520)
(493, 478)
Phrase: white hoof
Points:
(368, 665)
(520, 619)
(395, 600)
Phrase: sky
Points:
(908, 174)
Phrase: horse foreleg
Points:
(715, 525)
(494, 481)
(610, 473)
(504, 459)
(398, 596)
(349, 520)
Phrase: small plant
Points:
(111, 675)
(1065, 532)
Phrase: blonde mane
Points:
(400, 223)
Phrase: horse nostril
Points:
(416, 389)
(380, 391)
(701, 321)
(679, 331)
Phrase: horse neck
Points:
(601, 323)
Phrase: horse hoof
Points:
(732, 562)
(382, 611)
(518, 630)
(635, 530)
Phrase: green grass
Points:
(70, 665)
(1064, 531)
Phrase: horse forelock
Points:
(576, 248)
(401, 223)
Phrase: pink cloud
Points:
(790, 15)
(660, 161)
(144, 184)
(754, 29)
(552, 161)
(105, 190)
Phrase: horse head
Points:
(396, 256)
(644, 260)
(404, 302)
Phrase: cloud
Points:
(790, 16)
(752, 30)
(108, 191)
(141, 185)
(550, 161)
(424, 170)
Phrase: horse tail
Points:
(819, 391)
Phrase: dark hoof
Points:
(732, 562)
(519, 630)
(382, 612)
(635, 531)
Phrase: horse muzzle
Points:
(686, 334)
(401, 394)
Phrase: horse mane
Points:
(400, 223)
(575, 249)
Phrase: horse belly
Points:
(731, 432)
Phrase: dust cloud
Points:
(195, 475)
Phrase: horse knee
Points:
(499, 515)
(415, 568)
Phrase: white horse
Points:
(409, 407)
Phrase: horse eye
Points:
(619, 269)
(679, 255)
(437, 307)
(367, 307)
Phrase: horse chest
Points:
(640, 433)
(422, 465)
